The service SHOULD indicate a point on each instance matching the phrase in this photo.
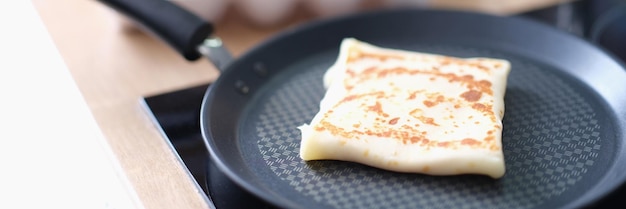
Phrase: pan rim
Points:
(280, 201)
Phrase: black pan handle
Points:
(178, 27)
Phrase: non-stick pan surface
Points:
(563, 126)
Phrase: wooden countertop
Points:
(114, 69)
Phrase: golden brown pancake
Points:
(410, 112)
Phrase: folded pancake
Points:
(410, 112)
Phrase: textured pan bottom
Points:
(552, 139)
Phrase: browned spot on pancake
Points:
(350, 98)
(443, 144)
(427, 120)
(484, 83)
(416, 112)
(481, 107)
(435, 100)
(479, 67)
(381, 57)
(351, 73)
(369, 70)
(407, 127)
(490, 138)
(415, 140)
(471, 95)
(429, 103)
(394, 121)
(425, 169)
(334, 130)
(378, 108)
(465, 78)
(470, 142)
(425, 141)
(412, 140)
(359, 96)
(356, 125)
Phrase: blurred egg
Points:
(403, 3)
(267, 12)
(209, 10)
(329, 8)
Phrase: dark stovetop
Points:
(178, 112)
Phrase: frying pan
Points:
(564, 123)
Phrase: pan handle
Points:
(181, 29)
(213, 48)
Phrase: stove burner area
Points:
(178, 112)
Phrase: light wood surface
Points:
(115, 68)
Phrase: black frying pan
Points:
(563, 127)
